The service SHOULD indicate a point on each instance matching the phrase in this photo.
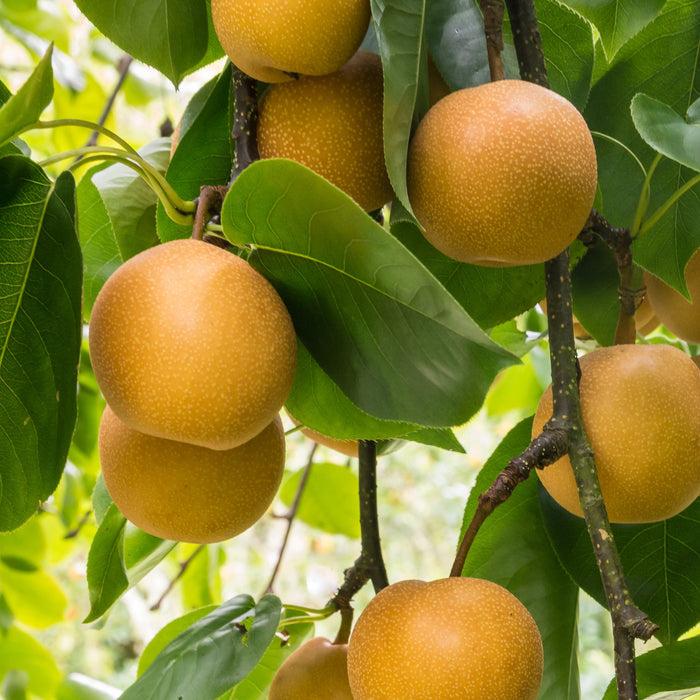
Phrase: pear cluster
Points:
(195, 353)
(324, 106)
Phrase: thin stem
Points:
(612, 139)
(493, 11)
(651, 221)
(178, 209)
(98, 128)
(644, 197)
(290, 515)
(183, 569)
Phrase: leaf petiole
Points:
(651, 221)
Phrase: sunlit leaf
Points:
(40, 334)
(19, 651)
(26, 105)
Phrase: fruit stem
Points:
(651, 221)
(343, 636)
(493, 11)
(177, 209)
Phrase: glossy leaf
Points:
(170, 35)
(490, 295)
(204, 154)
(40, 334)
(595, 282)
(617, 20)
(19, 651)
(378, 323)
(661, 563)
(118, 559)
(211, 655)
(256, 684)
(329, 501)
(166, 635)
(512, 549)
(25, 107)
(454, 31)
(666, 131)
(399, 25)
(675, 667)
(662, 58)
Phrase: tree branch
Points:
(245, 122)
(370, 564)
(289, 517)
(630, 294)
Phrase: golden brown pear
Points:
(186, 492)
(502, 174)
(641, 410)
(333, 125)
(456, 638)
(273, 40)
(189, 343)
(317, 669)
(680, 316)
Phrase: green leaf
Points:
(34, 597)
(512, 550)
(317, 402)
(170, 35)
(76, 686)
(21, 652)
(201, 583)
(166, 635)
(256, 684)
(490, 295)
(329, 501)
(595, 282)
(617, 20)
(40, 335)
(25, 107)
(661, 563)
(399, 25)
(119, 558)
(666, 131)
(204, 154)
(454, 30)
(671, 668)
(663, 58)
(211, 655)
(377, 322)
